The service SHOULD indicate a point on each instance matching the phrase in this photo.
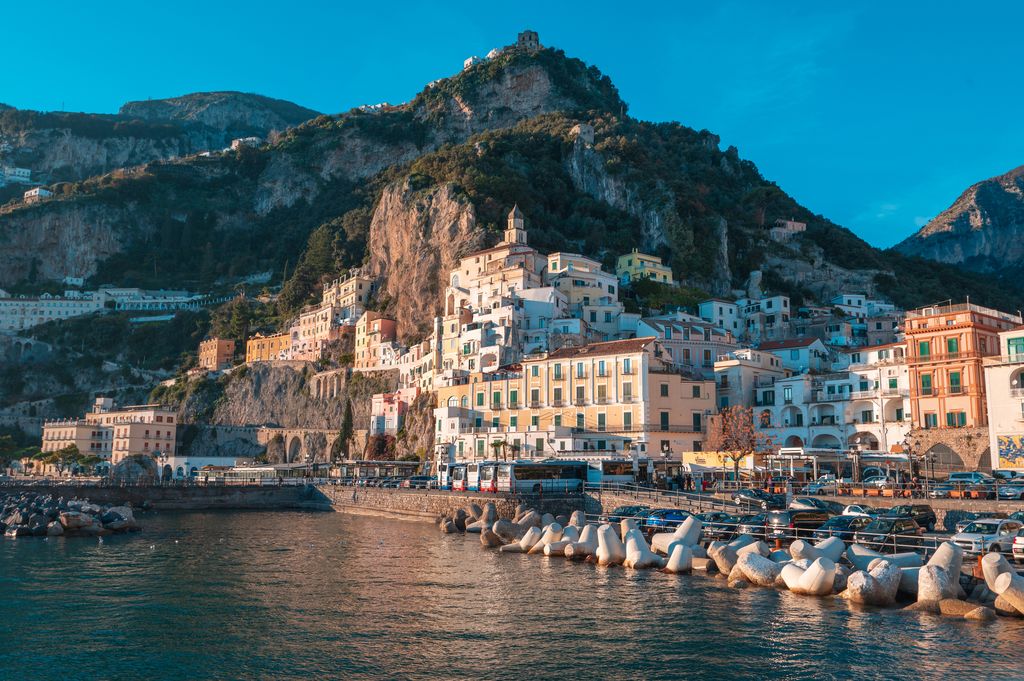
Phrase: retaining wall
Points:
(428, 505)
(241, 497)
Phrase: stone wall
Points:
(184, 498)
(427, 505)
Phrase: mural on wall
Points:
(1011, 451)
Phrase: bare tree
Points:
(734, 435)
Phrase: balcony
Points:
(557, 377)
(580, 402)
(627, 371)
(863, 394)
(1017, 392)
(955, 390)
(602, 400)
(626, 398)
(895, 392)
(534, 404)
(557, 403)
(945, 357)
(496, 406)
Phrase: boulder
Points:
(877, 586)
(75, 520)
(54, 529)
(981, 614)
(449, 527)
(489, 539)
(119, 519)
(952, 607)
(15, 531)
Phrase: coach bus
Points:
(541, 476)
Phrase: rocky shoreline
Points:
(49, 515)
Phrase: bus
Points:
(487, 477)
(457, 477)
(541, 476)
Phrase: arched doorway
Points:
(168, 472)
(180, 473)
(294, 453)
(825, 441)
(794, 441)
(941, 457)
(864, 441)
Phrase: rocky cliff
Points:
(983, 230)
(416, 239)
(63, 147)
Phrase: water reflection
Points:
(296, 595)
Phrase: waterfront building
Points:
(260, 348)
(637, 265)
(216, 354)
(741, 373)
(600, 397)
(113, 434)
(15, 175)
(946, 346)
(388, 410)
(1004, 397)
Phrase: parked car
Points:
(620, 513)
(861, 510)
(842, 526)
(814, 503)
(921, 513)
(890, 534)
(1003, 475)
(1018, 547)
(393, 482)
(754, 525)
(986, 535)
(1017, 515)
(970, 478)
(418, 482)
(942, 490)
(664, 519)
(790, 525)
(758, 498)
(1011, 490)
(826, 484)
(717, 525)
(877, 481)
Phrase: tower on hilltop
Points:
(515, 233)
(528, 40)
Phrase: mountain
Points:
(62, 147)
(983, 230)
(405, 190)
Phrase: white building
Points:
(1004, 401)
(800, 354)
(741, 373)
(36, 194)
(23, 312)
(17, 175)
(723, 314)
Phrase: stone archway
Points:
(294, 452)
(945, 457)
(315, 447)
(965, 447)
(794, 441)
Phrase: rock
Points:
(54, 529)
(923, 606)
(725, 558)
(489, 539)
(15, 531)
(460, 520)
(119, 519)
(981, 614)
(474, 512)
(75, 520)
(1005, 608)
(739, 584)
(952, 607)
(449, 527)
(703, 564)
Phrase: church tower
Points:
(515, 233)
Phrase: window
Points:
(664, 420)
(893, 383)
(558, 371)
(954, 383)
(707, 358)
(535, 371)
(899, 413)
(794, 354)
(579, 421)
(602, 393)
(924, 348)
(664, 389)
(601, 368)
(867, 416)
(953, 346)
(956, 419)
(627, 366)
(931, 421)
(534, 397)
(480, 448)
(558, 395)
(1015, 347)
(696, 391)
(479, 399)
(627, 420)
(580, 372)
(926, 384)
(697, 422)
(496, 398)
(580, 394)
(535, 421)
(558, 420)
(787, 394)
(601, 422)
(495, 423)
(627, 392)
(513, 399)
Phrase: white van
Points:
(970, 478)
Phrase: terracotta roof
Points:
(617, 347)
(785, 344)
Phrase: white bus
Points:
(541, 476)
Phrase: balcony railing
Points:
(496, 406)
(534, 404)
(557, 377)
(557, 403)
(1016, 392)
(628, 371)
(945, 357)
(580, 402)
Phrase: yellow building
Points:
(637, 265)
(601, 397)
(113, 434)
(216, 354)
(374, 331)
(262, 348)
(349, 295)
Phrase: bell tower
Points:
(515, 233)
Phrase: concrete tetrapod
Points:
(758, 547)
(993, 565)
(625, 525)
(877, 586)
(506, 530)
(578, 520)
(861, 557)
(487, 518)
(570, 535)
(1010, 587)
(687, 533)
(531, 537)
(552, 533)
(639, 555)
(586, 546)
(489, 539)
(529, 519)
(724, 556)
(818, 579)
(680, 559)
(741, 541)
(547, 519)
(934, 584)
(474, 512)
(610, 549)
(757, 569)
(950, 557)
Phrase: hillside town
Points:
(535, 356)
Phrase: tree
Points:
(345, 434)
(499, 446)
(734, 435)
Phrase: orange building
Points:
(216, 354)
(374, 331)
(945, 347)
(261, 348)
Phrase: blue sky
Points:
(876, 116)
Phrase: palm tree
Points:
(499, 445)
